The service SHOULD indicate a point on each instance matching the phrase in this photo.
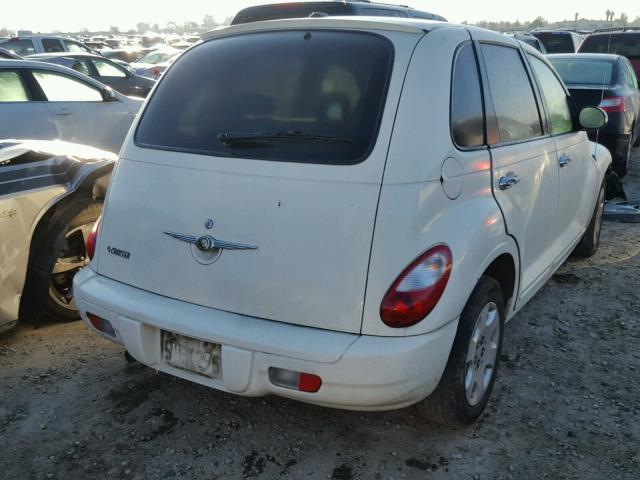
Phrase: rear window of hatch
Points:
(625, 44)
(294, 96)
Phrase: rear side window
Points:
(294, 96)
(75, 47)
(467, 116)
(556, 99)
(512, 94)
(625, 44)
(21, 47)
(11, 88)
(383, 12)
(52, 45)
(631, 75)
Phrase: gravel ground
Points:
(565, 404)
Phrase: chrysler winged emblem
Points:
(206, 243)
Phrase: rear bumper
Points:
(358, 372)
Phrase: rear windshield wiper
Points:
(233, 139)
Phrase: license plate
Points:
(190, 354)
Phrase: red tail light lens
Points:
(613, 105)
(417, 289)
(154, 72)
(304, 382)
(90, 242)
(101, 324)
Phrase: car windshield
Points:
(584, 71)
(625, 44)
(297, 96)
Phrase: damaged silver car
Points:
(51, 194)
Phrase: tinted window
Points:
(330, 85)
(11, 88)
(383, 12)
(512, 94)
(467, 118)
(631, 75)
(21, 47)
(557, 42)
(556, 99)
(81, 66)
(583, 71)
(106, 69)
(60, 88)
(52, 45)
(625, 44)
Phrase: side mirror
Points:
(593, 118)
(108, 95)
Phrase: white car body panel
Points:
(27, 193)
(329, 246)
(290, 215)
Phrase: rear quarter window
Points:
(625, 44)
(294, 96)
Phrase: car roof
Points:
(51, 67)
(64, 54)
(391, 24)
(609, 57)
(615, 32)
(31, 36)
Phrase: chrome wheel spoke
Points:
(482, 353)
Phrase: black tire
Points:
(70, 246)
(590, 241)
(621, 164)
(449, 405)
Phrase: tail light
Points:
(417, 289)
(154, 72)
(90, 242)
(613, 105)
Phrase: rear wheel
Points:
(621, 165)
(591, 239)
(466, 384)
(72, 257)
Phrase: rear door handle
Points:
(508, 181)
(564, 160)
(63, 112)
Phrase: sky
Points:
(72, 15)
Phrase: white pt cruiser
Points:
(343, 212)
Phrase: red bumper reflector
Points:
(101, 325)
(304, 382)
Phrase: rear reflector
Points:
(613, 105)
(304, 382)
(102, 325)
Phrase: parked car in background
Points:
(153, 64)
(46, 102)
(625, 43)
(51, 195)
(327, 8)
(609, 82)
(559, 41)
(118, 77)
(128, 55)
(354, 213)
(32, 44)
(531, 41)
(8, 54)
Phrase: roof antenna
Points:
(604, 75)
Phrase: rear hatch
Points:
(586, 95)
(273, 145)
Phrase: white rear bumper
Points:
(358, 372)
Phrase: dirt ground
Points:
(565, 404)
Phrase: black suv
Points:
(328, 8)
(559, 41)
